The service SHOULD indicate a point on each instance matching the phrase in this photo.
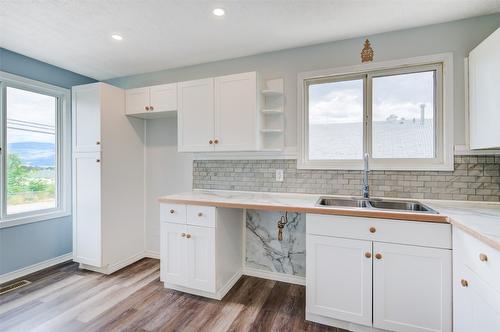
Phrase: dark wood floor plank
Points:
(66, 298)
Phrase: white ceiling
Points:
(162, 34)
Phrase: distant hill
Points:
(35, 154)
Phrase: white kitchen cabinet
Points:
(484, 99)
(476, 291)
(361, 277)
(411, 288)
(174, 248)
(201, 257)
(339, 278)
(195, 117)
(200, 250)
(236, 112)
(218, 114)
(108, 203)
(151, 102)
(189, 253)
(86, 126)
(87, 245)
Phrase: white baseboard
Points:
(341, 324)
(151, 254)
(274, 276)
(35, 268)
(217, 295)
(116, 266)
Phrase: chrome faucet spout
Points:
(366, 170)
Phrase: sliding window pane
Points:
(403, 116)
(336, 120)
(31, 151)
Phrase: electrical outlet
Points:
(279, 175)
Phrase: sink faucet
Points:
(365, 188)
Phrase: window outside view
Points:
(31, 151)
(402, 118)
(336, 120)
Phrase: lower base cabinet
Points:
(200, 249)
(357, 280)
(476, 289)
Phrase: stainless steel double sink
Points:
(375, 204)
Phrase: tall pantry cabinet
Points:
(108, 179)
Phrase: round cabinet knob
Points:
(464, 283)
(98, 160)
(151, 108)
(373, 229)
(210, 142)
(378, 256)
(147, 108)
(483, 257)
(183, 234)
(97, 143)
(368, 254)
(172, 211)
(188, 236)
(216, 141)
(200, 214)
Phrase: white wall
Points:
(167, 172)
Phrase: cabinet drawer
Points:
(478, 256)
(201, 215)
(426, 234)
(173, 213)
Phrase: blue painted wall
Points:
(28, 244)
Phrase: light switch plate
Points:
(279, 175)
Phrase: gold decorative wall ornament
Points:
(367, 52)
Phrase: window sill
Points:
(41, 216)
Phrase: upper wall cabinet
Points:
(152, 102)
(218, 114)
(195, 118)
(484, 99)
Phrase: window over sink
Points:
(399, 112)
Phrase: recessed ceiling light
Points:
(117, 37)
(219, 12)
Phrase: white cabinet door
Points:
(136, 100)
(484, 99)
(476, 305)
(201, 258)
(236, 112)
(174, 254)
(163, 98)
(339, 278)
(195, 115)
(411, 288)
(87, 208)
(86, 110)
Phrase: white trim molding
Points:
(63, 139)
(283, 277)
(35, 268)
(444, 119)
(289, 152)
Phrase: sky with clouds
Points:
(36, 111)
(401, 95)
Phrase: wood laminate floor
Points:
(65, 298)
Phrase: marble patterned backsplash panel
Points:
(475, 178)
(263, 249)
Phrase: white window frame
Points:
(443, 160)
(63, 132)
